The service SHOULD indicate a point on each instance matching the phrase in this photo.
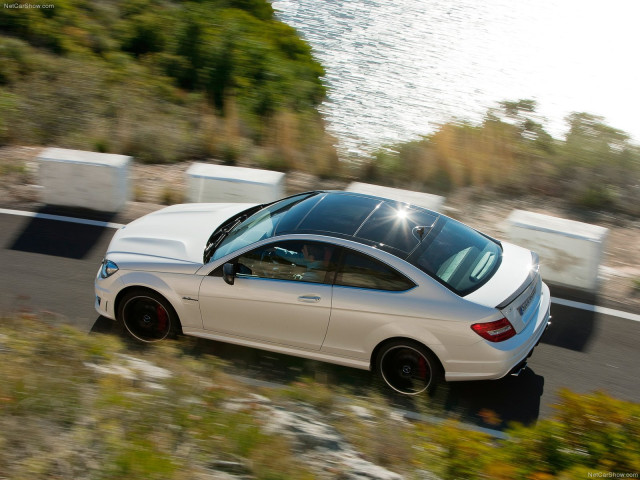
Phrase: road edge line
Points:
(596, 309)
(60, 218)
(560, 301)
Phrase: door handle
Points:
(309, 298)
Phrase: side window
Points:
(359, 270)
(290, 260)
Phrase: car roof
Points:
(383, 223)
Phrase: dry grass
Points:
(92, 407)
(62, 415)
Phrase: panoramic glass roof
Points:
(392, 226)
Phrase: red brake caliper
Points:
(422, 367)
(161, 313)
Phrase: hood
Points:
(179, 232)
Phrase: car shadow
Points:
(107, 326)
(495, 403)
(51, 237)
(571, 328)
(488, 404)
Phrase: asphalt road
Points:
(49, 266)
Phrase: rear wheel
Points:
(147, 316)
(408, 367)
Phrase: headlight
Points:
(108, 268)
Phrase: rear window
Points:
(459, 257)
(401, 228)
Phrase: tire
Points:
(408, 367)
(147, 316)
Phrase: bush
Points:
(596, 166)
(84, 412)
(160, 81)
(87, 412)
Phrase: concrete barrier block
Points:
(221, 183)
(570, 252)
(75, 178)
(425, 200)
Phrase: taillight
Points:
(497, 331)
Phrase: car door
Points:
(367, 294)
(279, 295)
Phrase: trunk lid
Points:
(515, 289)
(523, 308)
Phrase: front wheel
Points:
(147, 316)
(408, 367)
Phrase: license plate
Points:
(523, 308)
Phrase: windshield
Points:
(459, 257)
(258, 226)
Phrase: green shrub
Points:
(146, 78)
(171, 195)
(70, 418)
(595, 197)
(595, 167)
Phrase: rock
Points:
(362, 412)
(322, 447)
(146, 369)
(231, 467)
(307, 432)
(211, 474)
(243, 404)
(112, 369)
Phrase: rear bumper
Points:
(496, 360)
(517, 370)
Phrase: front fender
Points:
(180, 290)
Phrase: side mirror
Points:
(229, 273)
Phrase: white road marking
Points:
(96, 223)
(61, 218)
(596, 309)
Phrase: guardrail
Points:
(570, 251)
(221, 183)
(75, 178)
(426, 200)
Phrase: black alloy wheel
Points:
(408, 367)
(147, 316)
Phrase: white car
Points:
(340, 277)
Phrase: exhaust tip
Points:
(518, 369)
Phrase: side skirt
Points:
(271, 347)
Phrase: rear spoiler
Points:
(533, 274)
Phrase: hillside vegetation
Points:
(169, 80)
(163, 81)
(595, 166)
(97, 408)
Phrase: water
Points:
(398, 68)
